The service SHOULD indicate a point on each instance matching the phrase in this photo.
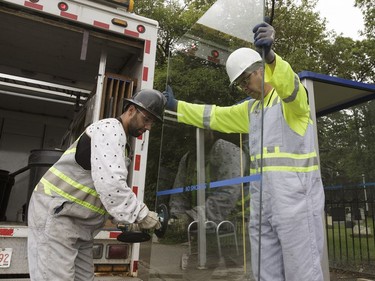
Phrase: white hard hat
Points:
(240, 60)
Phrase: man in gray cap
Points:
(75, 197)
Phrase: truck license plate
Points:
(5, 257)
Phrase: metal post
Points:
(99, 86)
(201, 199)
(365, 192)
(310, 88)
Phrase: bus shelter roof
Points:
(334, 93)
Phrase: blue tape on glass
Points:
(213, 184)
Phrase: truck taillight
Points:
(63, 6)
(141, 28)
(215, 53)
(117, 251)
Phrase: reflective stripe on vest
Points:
(293, 96)
(207, 116)
(66, 187)
(273, 162)
(72, 150)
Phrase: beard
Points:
(133, 128)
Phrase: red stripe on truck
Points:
(6, 231)
(101, 24)
(135, 190)
(135, 266)
(137, 163)
(68, 15)
(145, 74)
(147, 46)
(114, 234)
(131, 33)
(33, 5)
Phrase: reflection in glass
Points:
(209, 215)
(202, 174)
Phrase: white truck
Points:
(64, 65)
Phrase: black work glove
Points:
(264, 35)
(171, 101)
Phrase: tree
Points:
(175, 17)
(368, 10)
(300, 34)
(346, 138)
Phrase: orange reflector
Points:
(128, 4)
(119, 22)
(131, 6)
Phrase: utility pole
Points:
(365, 192)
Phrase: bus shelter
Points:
(204, 175)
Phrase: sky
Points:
(342, 17)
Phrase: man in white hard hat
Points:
(292, 191)
(75, 197)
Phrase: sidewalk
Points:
(161, 262)
(342, 275)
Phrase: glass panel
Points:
(234, 20)
(203, 174)
(207, 234)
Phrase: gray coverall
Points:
(72, 202)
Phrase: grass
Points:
(346, 248)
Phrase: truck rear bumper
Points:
(98, 278)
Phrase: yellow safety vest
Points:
(69, 180)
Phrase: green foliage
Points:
(346, 145)
(350, 59)
(175, 17)
(300, 35)
(368, 9)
